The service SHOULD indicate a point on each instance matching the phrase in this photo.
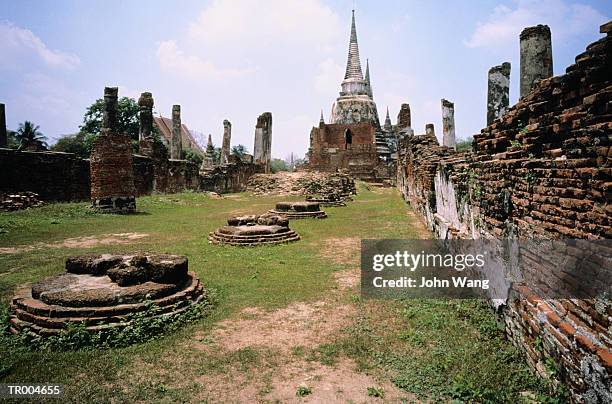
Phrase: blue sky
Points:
(234, 59)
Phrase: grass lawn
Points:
(429, 349)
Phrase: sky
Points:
(235, 59)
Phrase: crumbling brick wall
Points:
(56, 176)
(541, 171)
(231, 177)
(53, 176)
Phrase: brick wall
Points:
(54, 176)
(232, 177)
(541, 171)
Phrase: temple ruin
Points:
(102, 291)
(353, 140)
(112, 176)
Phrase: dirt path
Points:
(287, 335)
(290, 338)
(79, 242)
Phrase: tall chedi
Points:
(355, 103)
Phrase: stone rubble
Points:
(19, 200)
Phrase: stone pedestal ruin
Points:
(112, 175)
(536, 56)
(328, 200)
(262, 151)
(227, 139)
(253, 230)
(101, 291)
(498, 93)
(3, 135)
(299, 210)
(176, 144)
(448, 124)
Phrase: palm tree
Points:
(29, 137)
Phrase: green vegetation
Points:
(277, 165)
(303, 391)
(239, 150)
(193, 155)
(465, 145)
(81, 143)
(29, 137)
(436, 349)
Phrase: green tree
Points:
(11, 139)
(193, 155)
(277, 165)
(78, 143)
(464, 145)
(29, 137)
(239, 150)
(127, 117)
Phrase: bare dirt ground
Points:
(300, 327)
(79, 242)
(284, 335)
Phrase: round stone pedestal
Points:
(101, 291)
(253, 230)
(299, 210)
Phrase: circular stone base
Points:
(47, 318)
(327, 202)
(252, 235)
(298, 210)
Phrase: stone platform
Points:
(253, 230)
(329, 200)
(299, 210)
(102, 290)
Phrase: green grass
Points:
(431, 348)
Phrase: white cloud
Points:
(253, 21)
(506, 23)
(171, 58)
(329, 77)
(16, 41)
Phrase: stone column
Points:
(498, 94)
(262, 151)
(176, 144)
(536, 56)
(111, 169)
(3, 135)
(448, 124)
(145, 102)
(227, 139)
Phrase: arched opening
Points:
(348, 138)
